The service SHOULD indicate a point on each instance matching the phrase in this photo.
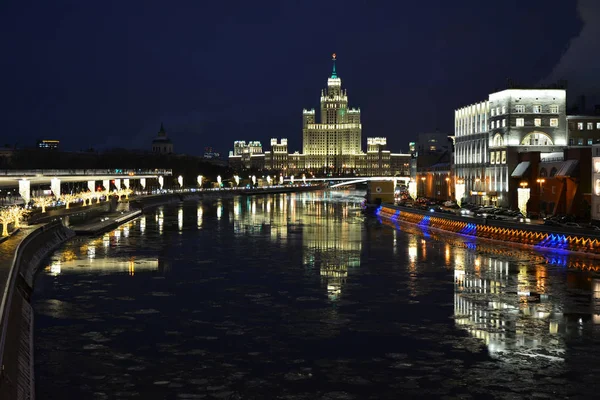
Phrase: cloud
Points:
(580, 64)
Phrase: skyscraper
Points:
(332, 144)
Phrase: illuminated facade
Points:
(595, 211)
(490, 134)
(247, 155)
(332, 144)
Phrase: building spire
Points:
(162, 130)
(333, 73)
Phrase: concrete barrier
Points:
(17, 379)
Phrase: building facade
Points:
(584, 130)
(490, 135)
(247, 155)
(330, 145)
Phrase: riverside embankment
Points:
(535, 235)
(20, 257)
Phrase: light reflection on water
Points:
(297, 295)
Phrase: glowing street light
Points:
(219, 180)
(180, 181)
(541, 182)
(200, 178)
(269, 180)
(281, 179)
(253, 180)
(237, 180)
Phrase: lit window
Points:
(504, 122)
(497, 110)
(597, 125)
(580, 126)
(520, 109)
(590, 142)
(571, 142)
(493, 124)
(492, 111)
(554, 122)
(554, 109)
(537, 122)
(590, 126)
(503, 157)
(537, 109)
(580, 141)
(492, 158)
(503, 109)
(520, 121)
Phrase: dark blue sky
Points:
(106, 73)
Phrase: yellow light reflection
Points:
(180, 219)
(199, 216)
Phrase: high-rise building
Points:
(332, 144)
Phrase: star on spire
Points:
(333, 58)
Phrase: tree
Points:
(18, 214)
(43, 202)
(85, 196)
(6, 217)
(68, 199)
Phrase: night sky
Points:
(105, 74)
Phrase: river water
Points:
(298, 296)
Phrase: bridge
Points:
(54, 177)
(352, 180)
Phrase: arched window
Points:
(537, 139)
(543, 173)
(553, 172)
(498, 141)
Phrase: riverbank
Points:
(533, 235)
(20, 257)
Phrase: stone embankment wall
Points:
(16, 347)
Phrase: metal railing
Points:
(84, 172)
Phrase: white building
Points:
(331, 144)
(490, 134)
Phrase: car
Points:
(571, 225)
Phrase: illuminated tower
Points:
(331, 144)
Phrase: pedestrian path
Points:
(7, 253)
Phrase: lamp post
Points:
(477, 180)
(448, 187)
(423, 186)
(541, 182)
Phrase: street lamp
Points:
(541, 182)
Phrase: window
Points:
(571, 142)
(503, 109)
(492, 124)
(580, 141)
(554, 109)
(597, 125)
(537, 122)
(504, 122)
(553, 172)
(493, 157)
(503, 157)
(580, 126)
(590, 126)
(492, 112)
(543, 173)
(497, 110)
(537, 109)
(554, 122)
(520, 121)
(590, 142)
(520, 108)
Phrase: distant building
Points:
(584, 130)
(247, 155)
(48, 144)
(330, 146)
(162, 144)
(210, 154)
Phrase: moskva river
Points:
(299, 296)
